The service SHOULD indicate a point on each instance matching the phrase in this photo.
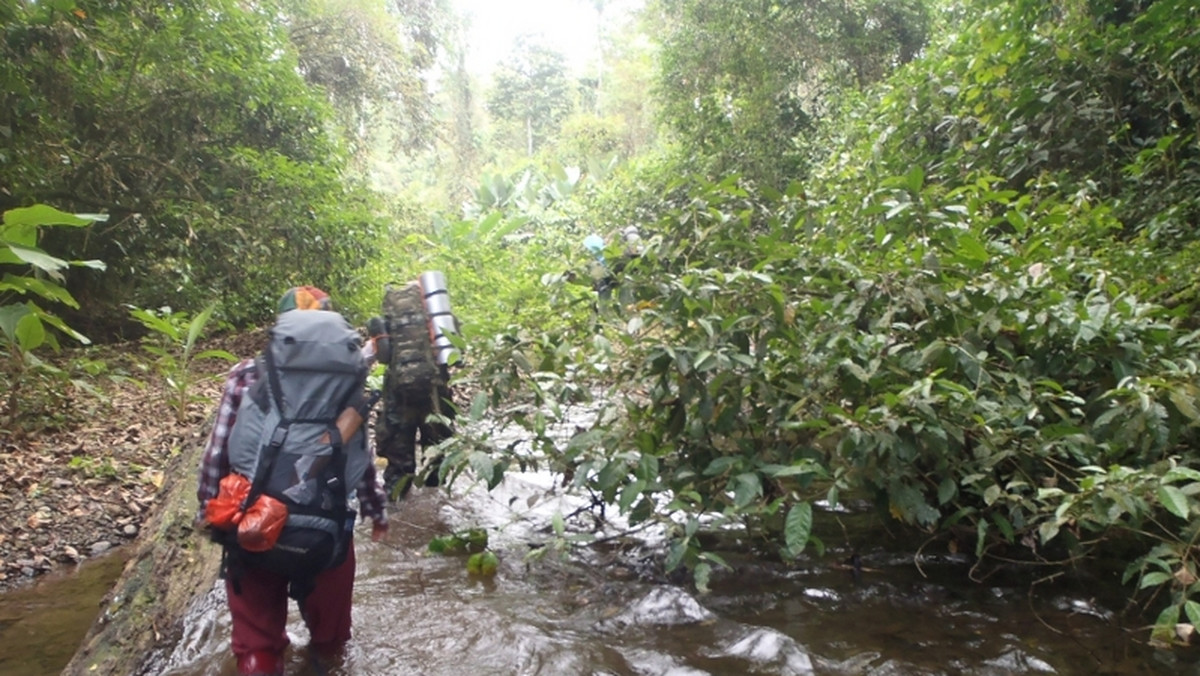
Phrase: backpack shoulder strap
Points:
(266, 463)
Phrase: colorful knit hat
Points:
(304, 298)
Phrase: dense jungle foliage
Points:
(935, 254)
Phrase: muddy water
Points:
(417, 613)
(42, 625)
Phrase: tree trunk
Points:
(173, 563)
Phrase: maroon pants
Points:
(260, 611)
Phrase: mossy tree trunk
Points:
(172, 564)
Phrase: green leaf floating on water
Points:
(483, 564)
(472, 540)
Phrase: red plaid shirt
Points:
(215, 464)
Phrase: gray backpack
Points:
(286, 442)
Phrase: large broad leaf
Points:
(40, 214)
(798, 527)
(41, 287)
(53, 320)
(10, 316)
(31, 333)
(37, 258)
(21, 234)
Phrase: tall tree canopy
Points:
(370, 59)
(531, 92)
(193, 127)
(739, 81)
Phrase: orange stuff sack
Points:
(262, 523)
(225, 510)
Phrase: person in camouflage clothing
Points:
(417, 405)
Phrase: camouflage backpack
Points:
(413, 371)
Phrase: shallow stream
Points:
(598, 612)
(417, 613)
(41, 625)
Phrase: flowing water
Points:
(599, 612)
(417, 613)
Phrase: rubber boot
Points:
(259, 664)
(326, 655)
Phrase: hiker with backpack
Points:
(417, 400)
(287, 454)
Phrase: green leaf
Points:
(217, 354)
(947, 490)
(629, 494)
(41, 287)
(479, 405)
(159, 325)
(972, 249)
(675, 554)
(475, 563)
(1005, 526)
(1153, 579)
(1181, 473)
(747, 487)
(720, 465)
(1184, 403)
(1164, 626)
(701, 575)
(715, 558)
(38, 259)
(797, 527)
(1192, 609)
(91, 263)
(483, 465)
(915, 179)
(40, 214)
(1047, 531)
(31, 334)
(56, 322)
(197, 326)
(801, 468)
(1173, 500)
(10, 316)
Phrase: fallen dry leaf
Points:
(1185, 576)
(82, 500)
